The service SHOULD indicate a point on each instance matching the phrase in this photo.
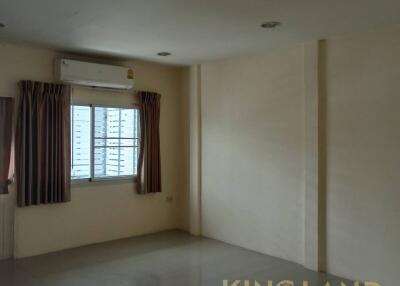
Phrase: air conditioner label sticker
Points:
(130, 74)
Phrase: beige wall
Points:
(258, 147)
(101, 211)
(363, 156)
(253, 152)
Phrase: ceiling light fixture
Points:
(163, 54)
(2, 25)
(270, 24)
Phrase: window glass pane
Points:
(115, 142)
(129, 122)
(80, 142)
(127, 165)
(100, 123)
(115, 161)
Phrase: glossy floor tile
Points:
(165, 259)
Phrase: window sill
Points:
(105, 180)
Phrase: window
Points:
(104, 142)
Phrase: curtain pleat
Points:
(42, 144)
(149, 163)
(6, 113)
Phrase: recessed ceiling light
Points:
(2, 25)
(163, 54)
(270, 24)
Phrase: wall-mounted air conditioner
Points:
(94, 75)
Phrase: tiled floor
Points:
(163, 259)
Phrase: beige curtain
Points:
(43, 144)
(149, 168)
(6, 113)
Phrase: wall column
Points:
(195, 149)
(314, 231)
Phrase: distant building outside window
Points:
(104, 142)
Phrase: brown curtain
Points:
(149, 168)
(43, 144)
(6, 111)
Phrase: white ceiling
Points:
(193, 31)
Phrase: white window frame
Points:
(92, 139)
